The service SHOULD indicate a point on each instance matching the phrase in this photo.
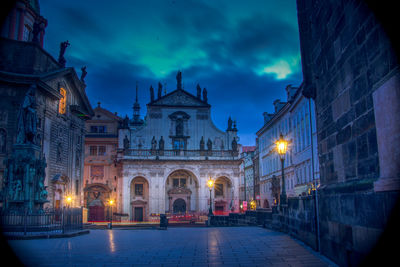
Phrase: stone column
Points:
(387, 109)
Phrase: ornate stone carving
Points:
(26, 131)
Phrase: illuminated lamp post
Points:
(69, 201)
(281, 148)
(111, 202)
(210, 184)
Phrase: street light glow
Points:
(210, 183)
(281, 145)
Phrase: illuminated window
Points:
(102, 151)
(62, 108)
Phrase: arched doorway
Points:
(182, 185)
(223, 196)
(179, 206)
(139, 192)
(96, 199)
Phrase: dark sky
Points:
(243, 52)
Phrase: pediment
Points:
(179, 98)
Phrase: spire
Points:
(136, 106)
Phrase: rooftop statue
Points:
(205, 99)
(83, 75)
(179, 80)
(198, 91)
(63, 47)
(27, 119)
(151, 93)
(159, 90)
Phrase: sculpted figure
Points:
(198, 91)
(202, 143)
(63, 47)
(161, 144)
(126, 142)
(153, 143)
(17, 189)
(27, 119)
(234, 145)
(209, 144)
(229, 124)
(205, 99)
(83, 75)
(151, 94)
(159, 90)
(179, 80)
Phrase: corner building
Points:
(168, 158)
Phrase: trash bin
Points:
(163, 221)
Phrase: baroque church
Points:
(167, 158)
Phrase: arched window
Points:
(62, 107)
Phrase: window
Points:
(62, 107)
(102, 150)
(182, 182)
(93, 150)
(219, 189)
(102, 129)
(175, 182)
(94, 129)
(139, 189)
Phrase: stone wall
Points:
(348, 61)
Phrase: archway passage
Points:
(179, 206)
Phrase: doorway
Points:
(179, 206)
(138, 214)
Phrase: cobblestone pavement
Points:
(225, 246)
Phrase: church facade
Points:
(168, 158)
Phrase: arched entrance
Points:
(182, 189)
(96, 197)
(179, 206)
(139, 199)
(223, 195)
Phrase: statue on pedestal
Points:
(63, 47)
(202, 143)
(161, 144)
(26, 130)
(151, 94)
(126, 142)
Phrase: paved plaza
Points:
(228, 246)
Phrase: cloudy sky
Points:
(243, 52)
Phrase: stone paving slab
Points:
(225, 246)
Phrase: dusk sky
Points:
(243, 52)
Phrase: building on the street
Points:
(24, 22)
(102, 174)
(30, 78)
(295, 119)
(247, 181)
(351, 71)
(168, 158)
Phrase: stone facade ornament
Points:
(126, 142)
(202, 143)
(84, 73)
(27, 119)
(234, 145)
(198, 88)
(209, 144)
(161, 144)
(159, 90)
(63, 47)
(205, 99)
(179, 81)
(153, 143)
(151, 94)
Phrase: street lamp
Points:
(210, 184)
(281, 148)
(110, 202)
(69, 200)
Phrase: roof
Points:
(248, 148)
(179, 98)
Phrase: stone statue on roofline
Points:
(151, 93)
(198, 91)
(83, 75)
(205, 99)
(179, 80)
(159, 90)
(63, 47)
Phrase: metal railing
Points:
(149, 154)
(51, 221)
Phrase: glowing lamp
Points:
(210, 183)
(281, 146)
